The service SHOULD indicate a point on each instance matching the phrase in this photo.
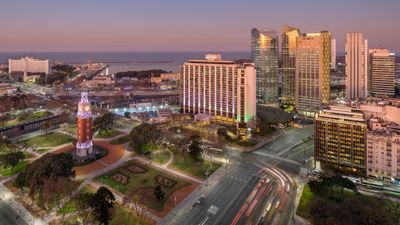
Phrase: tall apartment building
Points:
(356, 66)
(264, 53)
(381, 73)
(383, 149)
(313, 56)
(222, 89)
(28, 66)
(289, 46)
(340, 139)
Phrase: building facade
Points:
(313, 56)
(356, 66)
(289, 46)
(333, 54)
(222, 89)
(381, 73)
(28, 66)
(84, 145)
(264, 53)
(383, 149)
(340, 139)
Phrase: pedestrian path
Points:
(9, 197)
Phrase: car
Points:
(268, 207)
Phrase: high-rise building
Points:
(28, 67)
(356, 66)
(84, 144)
(313, 56)
(333, 54)
(223, 89)
(340, 139)
(289, 45)
(264, 53)
(381, 73)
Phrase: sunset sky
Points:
(184, 25)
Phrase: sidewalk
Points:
(24, 214)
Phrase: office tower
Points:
(84, 123)
(333, 54)
(312, 72)
(383, 149)
(381, 73)
(223, 89)
(289, 45)
(340, 139)
(264, 53)
(356, 66)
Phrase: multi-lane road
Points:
(238, 197)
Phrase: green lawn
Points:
(121, 140)
(28, 117)
(107, 134)
(160, 157)
(197, 169)
(306, 196)
(52, 140)
(11, 171)
(142, 181)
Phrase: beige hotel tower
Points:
(223, 89)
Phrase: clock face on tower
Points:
(87, 108)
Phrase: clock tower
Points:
(84, 145)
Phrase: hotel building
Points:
(340, 139)
(264, 53)
(223, 89)
(28, 66)
(289, 45)
(356, 66)
(381, 73)
(313, 56)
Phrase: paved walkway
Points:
(8, 197)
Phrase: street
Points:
(226, 196)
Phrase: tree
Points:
(102, 205)
(46, 125)
(142, 135)
(134, 202)
(195, 149)
(83, 205)
(11, 158)
(104, 122)
(46, 172)
(4, 118)
(158, 193)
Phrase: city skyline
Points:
(159, 26)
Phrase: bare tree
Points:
(135, 203)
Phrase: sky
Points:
(186, 25)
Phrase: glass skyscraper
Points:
(264, 53)
(289, 45)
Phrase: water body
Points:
(124, 61)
